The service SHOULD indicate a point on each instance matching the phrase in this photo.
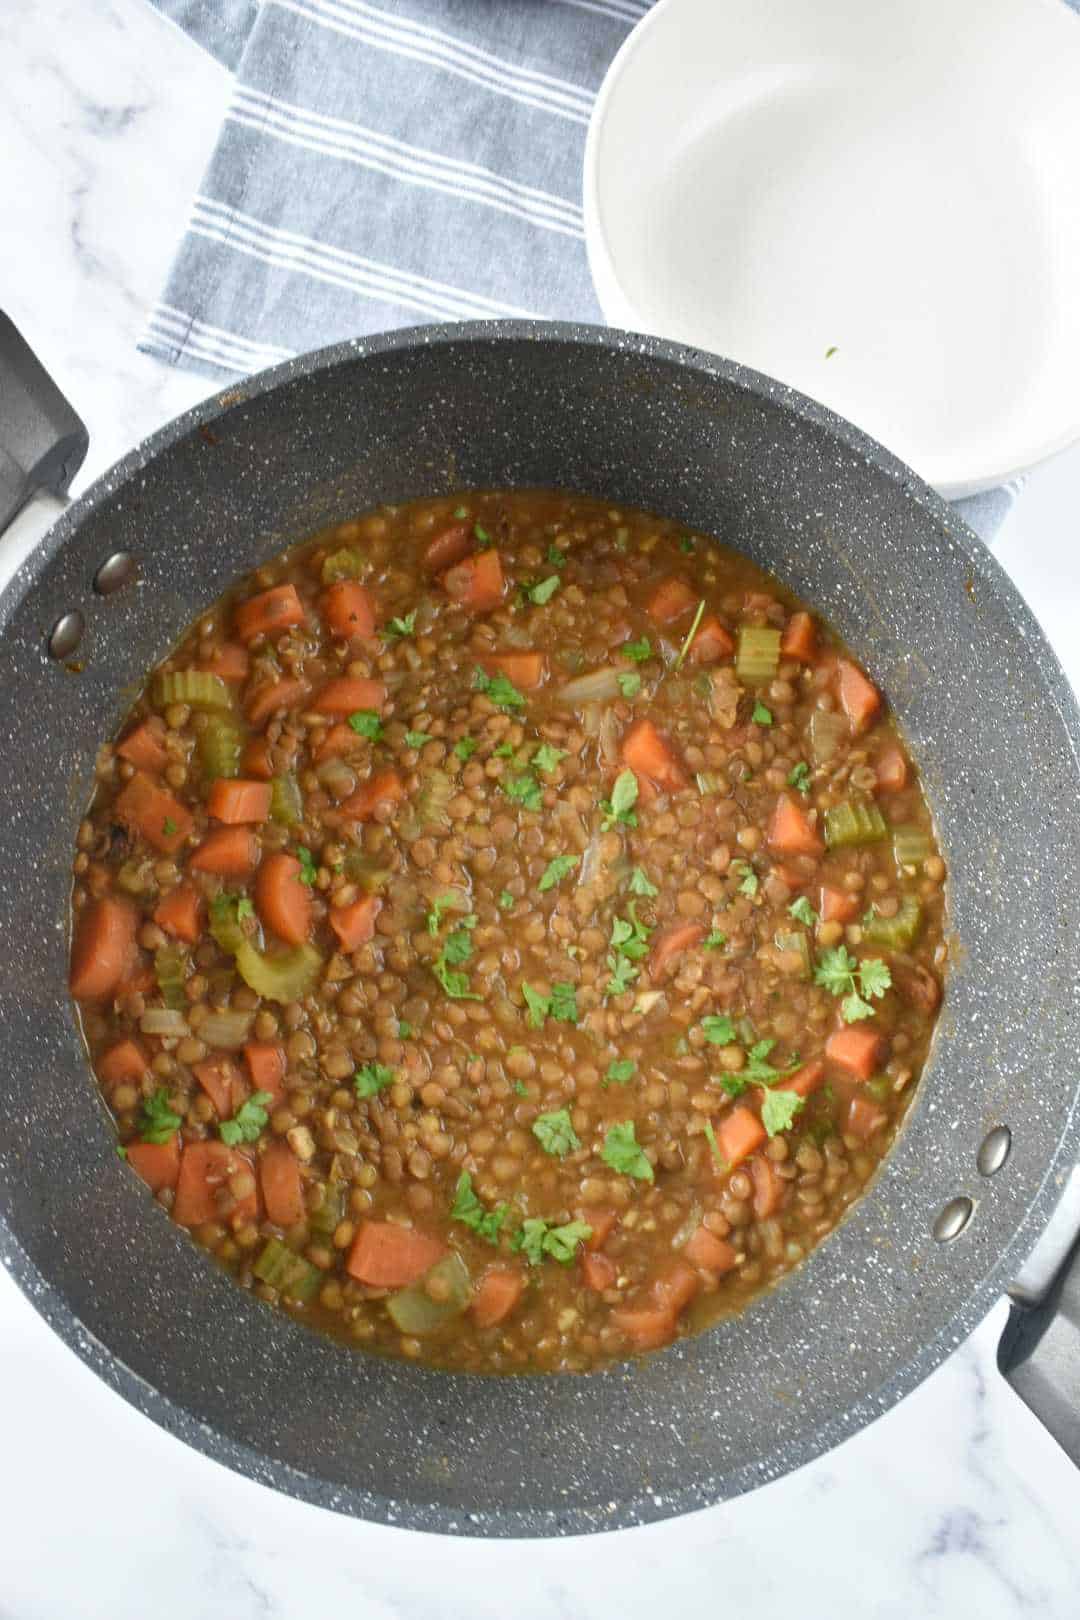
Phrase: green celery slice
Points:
(331, 1211)
(853, 822)
(796, 942)
(286, 802)
(196, 687)
(289, 1273)
(220, 744)
(827, 732)
(896, 933)
(911, 846)
(170, 971)
(283, 978)
(343, 564)
(757, 655)
(412, 1310)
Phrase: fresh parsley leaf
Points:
(874, 976)
(308, 866)
(686, 544)
(561, 1242)
(521, 1088)
(619, 1072)
(482, 535)
(778, 1110)
(400, 627)
(835, 971)
(529, 1239)
(249, 1121)
(168, 827)
(637, 651)
(468, 1209)
(456, 985)
(555, 557)
(557, 869)
(799, 777)
(501, 691)
(718, 1029)
(749, 883)
(461, 512)
(544, 591)
(244, 908)
(710, 1137)
(629, 683)
(623, 974)
(465, 748)
(443, 902)
(629, 943)
(715, 940)
(373, 1078)
(505, 750)
(761, 715)
(564, 1008)
(457, 947)
(524, 790)
(546, 758)
(404, 1030)
(121, 1150)
(856, 982)
(157, 1122)
(555, 1133)
(639, 884)
(417, 739)
(366, 723)
(506, 900)
(759, 1071)
(803, 912)
(623, 1153)
(619, 809)
(538, 1006)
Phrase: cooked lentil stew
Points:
(508, 931)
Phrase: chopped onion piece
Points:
(226, 1030)
(598, 686)
(164, 1021)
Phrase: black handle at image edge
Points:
(1039, 1354)
(43, 442)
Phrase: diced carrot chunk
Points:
(124, 1061)
(676, 1286)
(837, 905)
(144, 746)
(598, 1271)
(652, 760)
(713, 642)
(229, 662)
(603, 1223)
(646, 1329)
(709, 1252)
(236, 802)
(269, 613)
(791, 832)
(385, 1255)
(275, 697)
(805, 1080)
(525, 669)
(338, 739)
(103, 950)
(227, 852)
(856, 1049)
(266, 1067)
(223, 1083)
(153, 813)
(384, 788)
(158, 1163)
(179, 913)
(282, 900)
(448, 547)
(477, 582)
(498, 1291)
(864, 1118)
(739, 1134)
(255, 760)
(354, 925)
(891, 770)
(282, 1185)
(799, 639)
(670, 600)
(859, 697)
(347, 609)
(345, 694)
(769, 1190)
(672, 943)
(202, 1192)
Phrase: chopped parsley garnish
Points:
(444, 902)
(560, 1005)
(686, 544)
(465, 748)
(506, 900)
(366, 723)
(400, 627)
(557, 869)
(718, 1029)
(168, 827)
(121, 1151)
(501, 690)
(417, 739)
(308, 867)
(619, 809)
(555, 1133)
(778, 1110)
(629, 943)
(373, 1078)
(544, 591)
(690, 634)
(803, 912)
(245, 908)
(623, 1153)
(524, 790)
(505, 750)
(468, 1209)
(639, 884)
(457, 948)
(535, 1238)
(521, 1088)
(456, 985)
(799, 777)
(637, 651)
(482, 535)
(619, 1072)
(404, 1030)
(761, 715)
(857, 982)
(830, 351)
(461, 512)
(749, 883)
(714, 940)
(546, 757)
(629, 683)
(555, 556)
(157, 1122)
(249, 1121)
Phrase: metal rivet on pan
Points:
(953, 1218)
(114, 572)
(994, 1149)
(65, 635)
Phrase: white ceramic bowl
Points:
(877, 203)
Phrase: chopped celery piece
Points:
(289, 1273)
(286, 804)
(225, 922)
(413, 1310)
(366, 871)
(853, 822)
(898, 932)
(170, 971)
(436, 791)
(220, 743)
(757, 657)
(331, 1212)
(910, 845)
(282, 978)
(827, 732)
(799, 943)
(344, 564)
(194, 686)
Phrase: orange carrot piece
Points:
(282, 1185)
(498, 1291)
(712, 644)
(859, 697)
(791, 832)
(103, 950)
(227, 852)
(179, 913)
(144, 746)
(385, 787)
(864, 1118)
(676, 1286)
(806, 1079)
(158, 1163)
(670, 600)
(274, 697)
(739, 1134)
(652, 759)
(153, 813)
(354, 925)
(347, 609)
(255, 760)
(672, 943)
(266, 1067)
(769, 1190)
(709, 1252)
(269, 613)
(598, 1271)
(338, 739)
(449, 546)
(282, 901)
(139, 977)
(229, 662)
(646, 1329)
(891, 770)
(856, 1049)
(384, 1255)
(236, 802)
(346, 693)
(525, 669)
(124, 1061)
(603, 1223)
(837, 905)
(799, 639)
(477, 582)
(223, 1083)
(202, 1191)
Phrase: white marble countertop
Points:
(955, 1504)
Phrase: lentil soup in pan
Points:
(507, 931)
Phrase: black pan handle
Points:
(43, 443)
(1039, 1351)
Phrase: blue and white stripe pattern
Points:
(388, 163)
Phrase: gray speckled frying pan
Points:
(990, 718)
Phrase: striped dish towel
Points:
(388, 164)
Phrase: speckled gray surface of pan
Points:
(989, 716)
